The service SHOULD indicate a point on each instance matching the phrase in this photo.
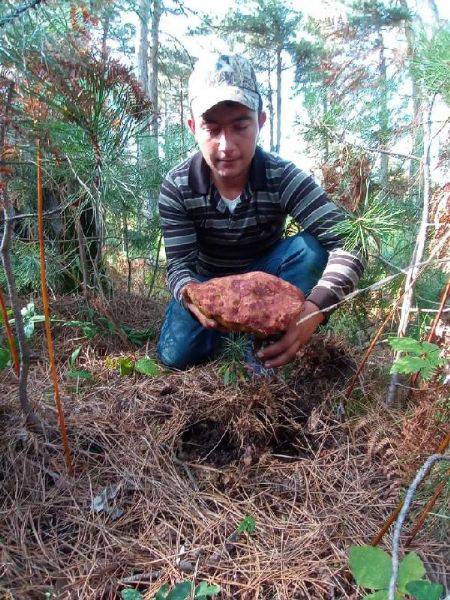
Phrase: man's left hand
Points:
(281, 352)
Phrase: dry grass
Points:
(190, 458)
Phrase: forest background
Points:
(93, 107)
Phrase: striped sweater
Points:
(202, 237)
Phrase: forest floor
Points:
(166, 468)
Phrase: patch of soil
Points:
(208, 441)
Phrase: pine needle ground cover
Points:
(259, 487)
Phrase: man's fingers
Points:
(277, 347)
(204, 321)
(282, 359)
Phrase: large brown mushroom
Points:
(254, 302)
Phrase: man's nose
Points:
(225, 141)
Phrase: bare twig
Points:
(45, 304)
(377, 539)
(8, 212)
(426, 510)
(421, 474)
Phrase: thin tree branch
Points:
(8, 212)
(421, 474)
(418, 250)
(19, 11)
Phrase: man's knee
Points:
(183, 341)
(312, 254)
(171, 356)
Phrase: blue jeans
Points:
(183, 342)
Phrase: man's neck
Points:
(232, 188)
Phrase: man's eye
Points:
(241, 127)
(212, 131)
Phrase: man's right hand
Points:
(204, 321)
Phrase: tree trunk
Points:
(126, 245)
(106, 26)
(270, 104)
(154, 52)
(279, 65)
(434, 10)
(417, 132)
(183, 141)
(144, 17)
(384, 114)
(326, 141)
(418, 249)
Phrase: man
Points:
(223, 212)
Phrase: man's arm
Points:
(180, 238)
(180, 241)
(302, 198)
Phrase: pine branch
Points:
(19, 11)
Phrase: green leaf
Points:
(5, 357)
(409, 364)
(161, 594)
(425, 590)
(226, 377)
(126, 366)
(383, 595)
(370, 566)
(205, 590)
(75, 354)
(181, 591)
(131, 594)
(79, 374)
(406, 344)
(410, 569)
(148, 367)
(247, 524)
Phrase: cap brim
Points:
(213, 96)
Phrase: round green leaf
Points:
(205, 590)
(425, 590)
(370, 566)
(131, 594)
(161, 594)
(148, 367)
(383, 595)
(410, 569)
(181, 591)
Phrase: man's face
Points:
(227, 135)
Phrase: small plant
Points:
(247, 525)
(372, 567)
(232, 368)
(181, 591)
(73, 371)
(127, 366)
(417, 357)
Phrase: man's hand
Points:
(296, 336)
(204, 321)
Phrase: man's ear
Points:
(262, 118)
(191, 124)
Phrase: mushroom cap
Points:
(254, 302)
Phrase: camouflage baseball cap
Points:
(219, 78)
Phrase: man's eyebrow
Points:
(207, 121)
